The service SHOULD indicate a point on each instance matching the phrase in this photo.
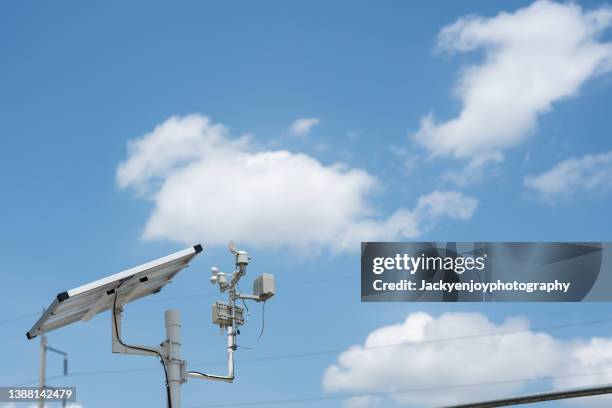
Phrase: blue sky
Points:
(77, 82)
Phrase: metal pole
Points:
(43, 360)
(174, 363)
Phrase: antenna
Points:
(115, 291)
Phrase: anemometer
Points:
(115, 291)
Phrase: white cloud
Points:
(302, 126)
(472, 172)
(365, 401)
(209, 187)
(592, 172)
(518, 354)
(595, 357)
(533, 57)
(409, 159)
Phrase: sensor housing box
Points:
(222, 314)
(263, 286)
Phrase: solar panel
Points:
(84, 302)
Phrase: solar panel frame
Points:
(86, 301)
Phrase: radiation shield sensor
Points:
(263, 287)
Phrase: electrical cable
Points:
(314, 399)
(141, 348)
(263, 326)
(263, 321)
(17, 318)
(246, 307)
(280, 285)
(336, 351)
(422, 342)
(539, 397)
(191, 296)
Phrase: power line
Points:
(92, 373)
(340, 350)
(423, 342)
(280, 285)
(17, 318)
(192, 296)
(540, 397)
(395, 392)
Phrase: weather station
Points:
(115, 291)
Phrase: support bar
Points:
(120, 347)
(248, 297)
(231, 346)
(63, 353)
